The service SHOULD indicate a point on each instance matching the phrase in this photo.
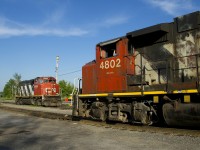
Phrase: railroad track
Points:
(7, 101)
(151, 129)
(111, 125)
(63, 105)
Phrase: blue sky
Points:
(34, 32)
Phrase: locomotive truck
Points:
(39, 91)
(147, 76)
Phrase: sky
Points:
(34, 32)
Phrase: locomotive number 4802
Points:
(110, 64)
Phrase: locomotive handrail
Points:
(142, 86)
(187, 56)
(197, 70)
(76, 91)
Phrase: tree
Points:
(9, 89)
(66, 88)
(11, 86)
(17, 77)
(1, 94)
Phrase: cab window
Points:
(52, 81)
(108, 50)
(46, 80)
(36, 81)
(40, 81)
(130, 47)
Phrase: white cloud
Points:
(172, 7)
(51, 26)
(30, 31)
(10, 28)
(55, 17)
(108, 22)
(116, 20)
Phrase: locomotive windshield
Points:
(49, 80)
(109, 48)
(44, 80)
(52, 80)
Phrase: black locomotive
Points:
(146, 76)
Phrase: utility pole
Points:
(57, 60)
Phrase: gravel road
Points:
(19, 131)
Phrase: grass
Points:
(66, 106)
(7, 98)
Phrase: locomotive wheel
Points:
(20, 102)
(17, 101)
(39, 103)
(46, 103)
(59, 103)
(32, 102)
(35, 103)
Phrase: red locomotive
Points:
(39, 91)
(147, 76)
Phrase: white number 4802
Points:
(110, 64)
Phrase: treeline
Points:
(10, 88)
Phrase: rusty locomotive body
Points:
(39, 91)
(146, 76)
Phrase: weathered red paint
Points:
(108, 74)
(89, 78)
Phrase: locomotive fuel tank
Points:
(181, 114)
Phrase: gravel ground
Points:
(37, 108)
(18, 131)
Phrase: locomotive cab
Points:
(46, 86)
(108, 73)
(111, 65)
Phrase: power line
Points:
(69, 73)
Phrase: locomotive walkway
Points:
(45, 112)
